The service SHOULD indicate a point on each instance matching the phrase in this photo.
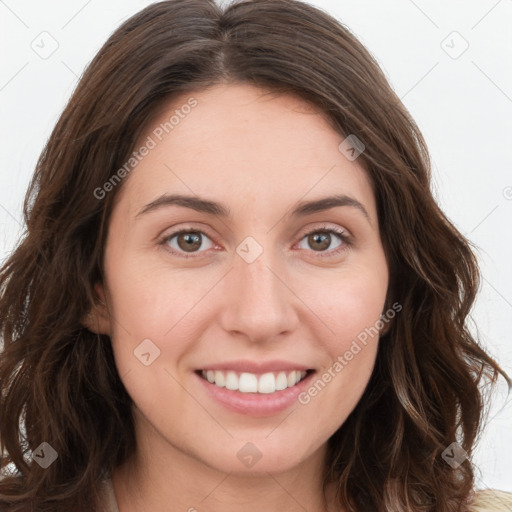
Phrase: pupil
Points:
(317, 238)
(192, 241)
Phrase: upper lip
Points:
(251, 366)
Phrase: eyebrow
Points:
(302, 209)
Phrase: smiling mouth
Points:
(245, 382)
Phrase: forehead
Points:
(240, 143)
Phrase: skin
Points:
(259, 154)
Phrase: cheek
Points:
(151, 330)
(353, 307)
(152, 302)
(150, 298)
(350, 306)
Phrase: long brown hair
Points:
(58, 381)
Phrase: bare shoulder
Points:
(491, 500)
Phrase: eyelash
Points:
(342, 234)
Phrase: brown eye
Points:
(186, 241)
(321, 241)
(189, 241)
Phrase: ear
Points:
(98, 318)
(387, 319)
(386, 328)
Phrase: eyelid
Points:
(326, 227)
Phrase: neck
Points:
(159, 475)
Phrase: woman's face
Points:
(257, 290)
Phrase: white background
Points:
(462, 105)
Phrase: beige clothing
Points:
(492, 500)
(109, 498)
(487, 500)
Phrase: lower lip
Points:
(256, 404)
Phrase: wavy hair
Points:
(58, 380)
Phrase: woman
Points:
(236, 290)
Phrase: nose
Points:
(260, 303)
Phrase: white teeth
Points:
(252, 383)
(231, 381)
(219, 379)
(248, 383)
(282, 381)
(267, 383)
